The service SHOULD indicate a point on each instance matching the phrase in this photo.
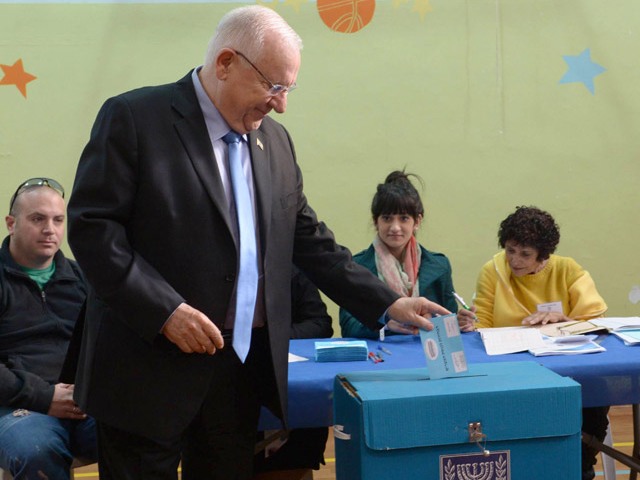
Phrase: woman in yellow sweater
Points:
(526, 284)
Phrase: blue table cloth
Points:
(607, 378)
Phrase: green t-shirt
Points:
(41, 277)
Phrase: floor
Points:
(621, 422)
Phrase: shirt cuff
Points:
(384, 318)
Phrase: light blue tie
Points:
(247, 283)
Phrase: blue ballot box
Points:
(501, 421)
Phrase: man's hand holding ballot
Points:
(415, 312)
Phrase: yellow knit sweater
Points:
(503, 300)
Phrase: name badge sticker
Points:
(550, 307)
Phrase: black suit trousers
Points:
(219, 442)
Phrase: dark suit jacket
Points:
(150, 227)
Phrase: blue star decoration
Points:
(582, 69)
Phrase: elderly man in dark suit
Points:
(156, 226)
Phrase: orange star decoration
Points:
(15, 75)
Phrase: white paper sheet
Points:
(500, 341)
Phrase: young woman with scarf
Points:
(396, 256)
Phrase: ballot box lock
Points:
(476, 436)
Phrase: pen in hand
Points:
(464, 304)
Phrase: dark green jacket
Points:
(436, 285)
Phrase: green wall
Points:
(465, 93)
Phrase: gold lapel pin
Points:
(259, 143)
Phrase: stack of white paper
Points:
(500, 341)
(629, 337)
(626, 328)
(341, 350)
(568, 345)
(503, 340)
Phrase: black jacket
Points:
(35, 329)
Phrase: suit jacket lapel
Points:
(260, 163)
(193, 133)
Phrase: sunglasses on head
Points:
(36, 182)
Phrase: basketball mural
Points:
(346, 16)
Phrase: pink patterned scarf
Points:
(401, 278)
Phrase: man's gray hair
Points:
(246, 28)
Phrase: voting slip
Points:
(443, 348)
(341, 350)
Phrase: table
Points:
(607, 378)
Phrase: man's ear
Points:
(223, 62)
(10, 220)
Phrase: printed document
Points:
(501, 341)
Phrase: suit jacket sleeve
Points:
(331, 267)
(101, 203)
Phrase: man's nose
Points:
(279, 102)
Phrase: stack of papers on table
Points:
(629, 337)
(626, 328)
(341, 350)
(568, 345)
(503, 340)
(562, 329)
(500, 341)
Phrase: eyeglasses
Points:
(274, 88)
(36, 182)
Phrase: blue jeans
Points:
(34, 445)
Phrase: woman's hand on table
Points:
(542, 318)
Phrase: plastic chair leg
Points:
(608, 463)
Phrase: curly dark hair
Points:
(531, 227)
(397, 195)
